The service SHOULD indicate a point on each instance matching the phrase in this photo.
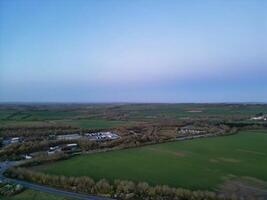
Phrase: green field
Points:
(144, 111)
(195, 164)
(96, 123)
(33, 195)
(83, 123)
(105, 115)
(61, 117)
(36, 115)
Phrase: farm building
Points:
(69, 137)
(14, 140)
(53, 150)
(70, 147)
(191, 130)
(260, 118)
(100, 136)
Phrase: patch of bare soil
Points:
(230, 160)
(194, 111)
(253, 152)
(245, 188)
(178, 153)
(213, 160)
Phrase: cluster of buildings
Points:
(102, 136)
(75, 136)
(97, 136)
(191, 130)
(259, 118)
(53, 150)
(14, 140)
(70, 147)
(65, 148)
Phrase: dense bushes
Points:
(119, 189)
(29, 147)
(36, 131)
(10, 189)
(45, 159)
(132, 137)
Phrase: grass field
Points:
(80, 123)
(76, 118)
(195, 164)
(33, 195)
(35, 115)
(83, 115)
(95, 123)
(143, 111)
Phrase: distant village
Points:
(68, 147)
(259, 117)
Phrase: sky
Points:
(133, 51)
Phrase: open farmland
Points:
(95, 123)
(195, 164)
(114, 115)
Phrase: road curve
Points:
(42, 188)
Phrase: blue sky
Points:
(133, 51)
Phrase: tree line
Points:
(119, 189)
(15, 150)
(132, 137)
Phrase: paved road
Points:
(33, 186)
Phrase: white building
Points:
(102, 136)
(27, 157)
(69, 137)
(190, 130)
(53, 150)
(260, 118)
(15, 140)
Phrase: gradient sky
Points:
(133, 50)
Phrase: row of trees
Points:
(14, 150)
(42, 130)
(32, 131)
(119, 189)
(45, 159)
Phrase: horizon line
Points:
(129, 102)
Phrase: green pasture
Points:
(132, 111)
(194, 164)
(189, 110)
(95, 123)
(51, 117)
(36, 115)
